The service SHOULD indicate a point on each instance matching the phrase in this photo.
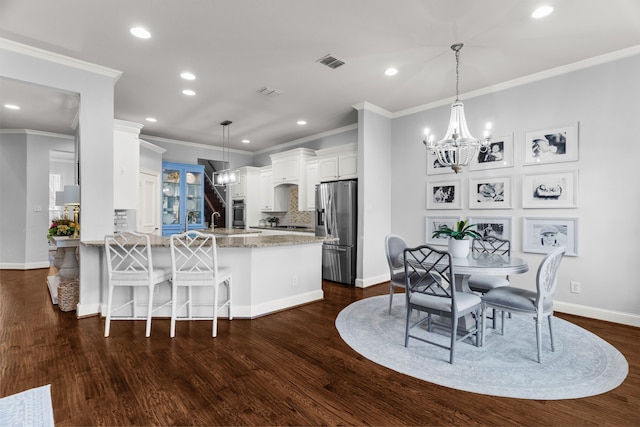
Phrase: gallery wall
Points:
(602, 100)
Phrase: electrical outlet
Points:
(575, 287)
(294, 281)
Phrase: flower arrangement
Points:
(462, 230)
(61, 227)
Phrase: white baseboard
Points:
(252, 311)
(24, 266)
(84, 310)
(597, 313)
(371, 281)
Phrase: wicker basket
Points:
(68, 294)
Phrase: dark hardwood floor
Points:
(289, 368)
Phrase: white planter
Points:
(459, 248)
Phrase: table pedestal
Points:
(65, 261)
(69, 266)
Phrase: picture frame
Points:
(541, 235)
(554, 145)
(434, 167)
(499, 154)
(497, 226)
(432, 223)
(550, 190)
(490, 193)
(444, 195)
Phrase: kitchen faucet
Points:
(213, 219)
(186, 220)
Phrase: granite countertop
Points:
(239, 242)
(285, 228)
(229, 231)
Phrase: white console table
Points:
(69, 266)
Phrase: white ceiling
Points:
(235, 47)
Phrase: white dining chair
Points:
(194, 263)
(130, 264)
(394, 247)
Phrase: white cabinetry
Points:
(248, 189)
(289, 168)
(126, 164)
(338, 163)
(266, 189)
(312, 181)
(239, 190)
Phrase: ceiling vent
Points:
(266, 91)
(330, 61)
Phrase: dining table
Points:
(485, 264)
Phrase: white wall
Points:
(604, 100)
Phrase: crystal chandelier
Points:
(459, 147)
(226, 176)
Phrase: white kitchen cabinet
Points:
(312, 181)
(289, 168)
(239, 190)
(126, 164)
(266, 189)
(338, 163)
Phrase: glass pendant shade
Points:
(226, 176)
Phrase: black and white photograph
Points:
(499, 227)
(497, 154)
(443, 195)
(490, 193)
(550, 190)
(553, 145)
(541, 235)
(434, 167)
(433, 223)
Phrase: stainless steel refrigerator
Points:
(337, 216)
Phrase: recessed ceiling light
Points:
(245, 141)
(188, 76)
(140, 32)
(301, 122)
(390, 72)
(151, 119)
(188, 92)
(11, 106)
(541, 12)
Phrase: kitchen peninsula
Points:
(270, 273)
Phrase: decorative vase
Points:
(459, 248)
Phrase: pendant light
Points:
(458, 148)
(226, 176)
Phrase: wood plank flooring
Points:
(289, 368)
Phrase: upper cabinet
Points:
(126, 164)
(338, 163)
(289, 167)
(312, 181)
(266, 189)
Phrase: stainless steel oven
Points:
(239, 214)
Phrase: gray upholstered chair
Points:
(539, 303)
(395, 245)
(481, 283)
(430, 288)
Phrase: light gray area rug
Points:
(30, 408)
(582, 365)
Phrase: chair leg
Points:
(406, 330)
(553, 348)
(539, 336)
(502, 322)
(174, 310)
(107, 321)
(484, 323)
(454, 335)
(390, 297)
(477, 316)
(494, 318)
(216, 291)
(149, 311)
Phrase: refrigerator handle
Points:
(329, 215)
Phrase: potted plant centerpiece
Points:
(458, 242)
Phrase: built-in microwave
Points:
(238, 213)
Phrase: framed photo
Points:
(550, 190)
(553, 145)
(444, 195)
(433, 223)
(490, 193)
(493, 226)
(541, 235)
(499, 154)
(435, 168)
